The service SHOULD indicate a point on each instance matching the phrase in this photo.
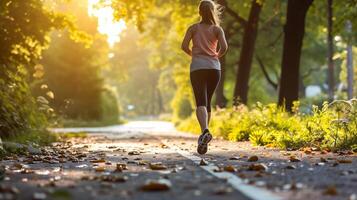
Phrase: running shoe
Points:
(203, 141)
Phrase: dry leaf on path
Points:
(294, 159)
(133, 153)
(344, 161)
(203, 162)
(330, 191)
(157, 185)
(99, 169)
(253, 158)
(101, 160)
(120, 167)
(157, 166)
(258, 167)
(230, 168)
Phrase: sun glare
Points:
(106, 23)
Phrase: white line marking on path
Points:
(250, 191)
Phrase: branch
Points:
(310, 71)
(232, 13)
(235, 15)
(276, 40)
(262, 66)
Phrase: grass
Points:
(37, 138)
(84, 123)
(70, 135)
(332, 126)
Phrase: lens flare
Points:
(106, 23)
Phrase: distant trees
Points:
(266, 63)
(73, 71)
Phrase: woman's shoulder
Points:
(193, 26)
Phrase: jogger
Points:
(205, 66)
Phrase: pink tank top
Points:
(204, 41)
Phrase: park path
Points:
(151, 160)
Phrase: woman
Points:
(205, 69)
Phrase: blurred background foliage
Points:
(63, 65)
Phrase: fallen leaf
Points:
(331, 190)
(344, 161)
(230, 168)
(133, 153)
(17, 166)
(99, 169)
(290, 167)
(234, 158)
(142, 162)
(307, 150)
(258, 167)
(98, 161)
(157, 166)
(113, 178)
(156, 185)
(253, 159)
(203, 162)
(223, 190)
(120, 167)
(294, 159)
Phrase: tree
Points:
(294, 31)
(247, 53)
(25, 26)
(330, 63)
(75, 78)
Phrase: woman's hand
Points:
(223, 46)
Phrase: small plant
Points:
(333, 126)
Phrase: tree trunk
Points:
(349, 62)
(293, 39)
(246, 55)
(331, 74)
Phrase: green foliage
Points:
(73, 77)
(333, 126)
(33, 138)
(109, 106)
(25, 26)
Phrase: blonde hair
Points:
(210, 12)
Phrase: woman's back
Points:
(204, 40)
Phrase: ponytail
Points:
(210, 12)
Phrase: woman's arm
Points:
(223, 46)
(185, 46)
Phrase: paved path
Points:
(86, 168)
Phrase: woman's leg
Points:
(212, 83)
(200, 91)
(202, 116)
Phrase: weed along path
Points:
(147, 160)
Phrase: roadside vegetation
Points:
(330, 127)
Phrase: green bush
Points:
(20, 113)
(332, 126)
(109, 105)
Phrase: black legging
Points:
(204, 83)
